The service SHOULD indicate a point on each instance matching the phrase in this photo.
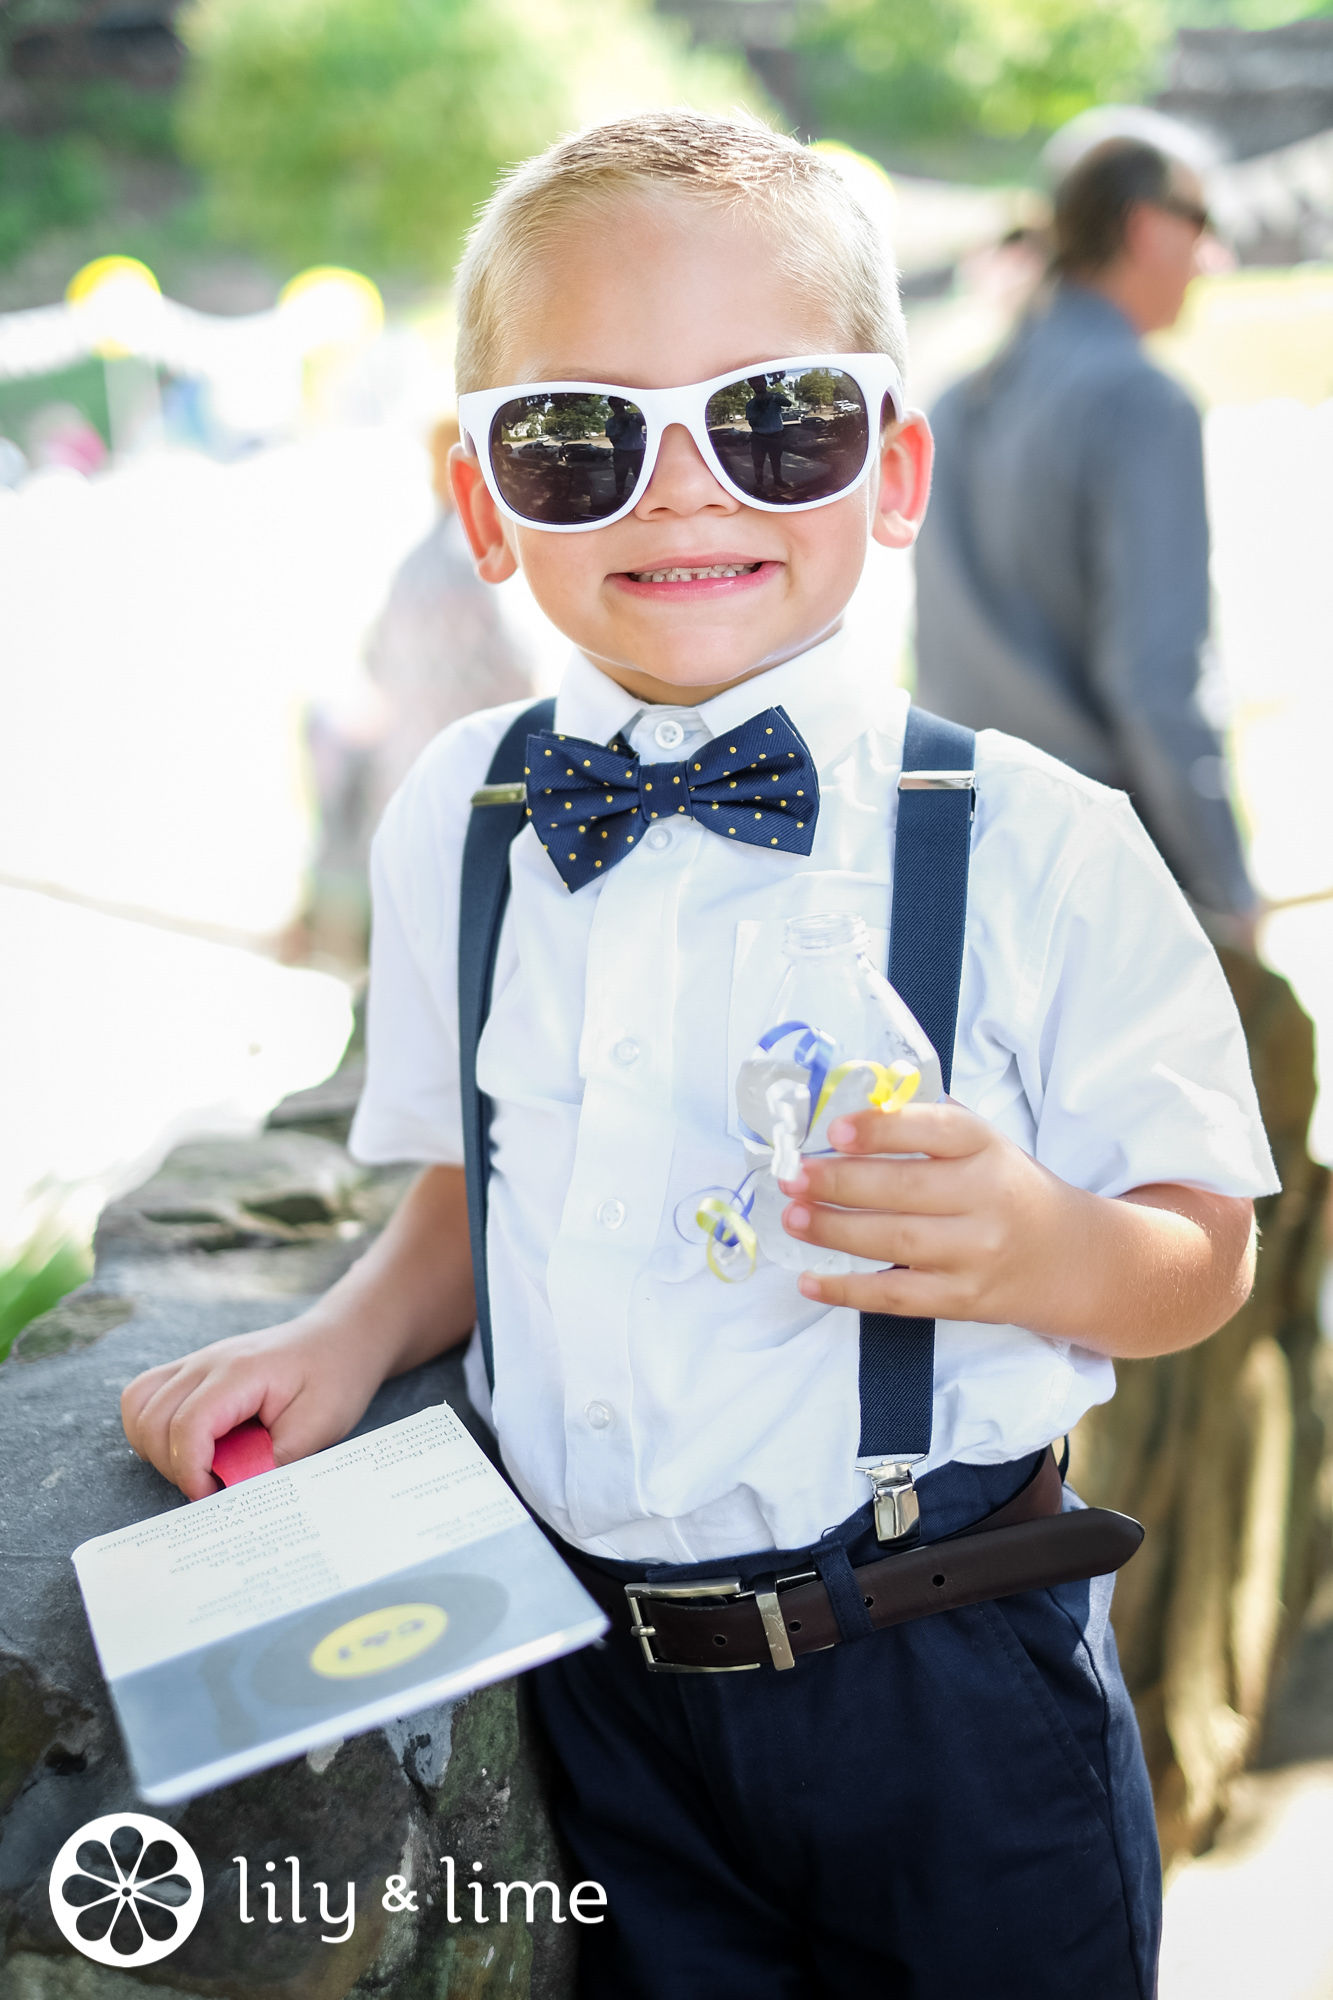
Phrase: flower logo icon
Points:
(126, 1889)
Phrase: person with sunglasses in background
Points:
(858, 1724)
(1062, 577)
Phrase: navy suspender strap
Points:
(928, 919)
(932, 848)
(483, 894)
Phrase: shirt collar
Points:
(833, 692)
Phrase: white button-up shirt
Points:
(645, 1409)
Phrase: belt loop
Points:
(839, 1580)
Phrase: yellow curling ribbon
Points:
(894, 1087)
(719, 1221)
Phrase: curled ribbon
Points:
(895, 1087)
(729, 1240)
(727, 1234)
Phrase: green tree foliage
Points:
(915, 72)
(368, 133)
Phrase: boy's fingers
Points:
(911, 1294)
(902, 1187)
(944, 1130)
(926, 1242)
(212, 1409)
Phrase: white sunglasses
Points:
(783, 436)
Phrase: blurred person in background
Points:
(1062, 575)
(439, 650)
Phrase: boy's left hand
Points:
(977, 1229)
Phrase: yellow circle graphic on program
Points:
(378, 1640)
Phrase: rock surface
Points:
(230, 1236)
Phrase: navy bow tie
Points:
(591, 805)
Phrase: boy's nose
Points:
(683, 482)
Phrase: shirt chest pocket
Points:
(758, 968)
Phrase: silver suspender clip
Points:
(937, 781)
(897, 1509)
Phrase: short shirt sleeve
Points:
(410, 1108)
(1131, 1052)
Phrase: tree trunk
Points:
(1217, 1451)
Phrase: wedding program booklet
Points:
(374, 1579)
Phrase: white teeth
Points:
(691, 575)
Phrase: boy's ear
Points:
(905, 460)
(482, 522)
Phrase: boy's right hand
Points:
(301, 1380)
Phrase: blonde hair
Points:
(824, 238)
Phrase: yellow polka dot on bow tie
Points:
(768, 732)
(527, 770)
(573, 857)
(759, 815)
(675, 781)
(546, 753)
(587, 763)
(596, 864)
(583, 829)
(647, 788)
(731, 829)
(733, 750)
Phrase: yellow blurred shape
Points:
(121, 297)
(330, 307)
(1252, 335)
(853, 166)
(105, 271)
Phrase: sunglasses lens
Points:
(791, 434)
(561, 458)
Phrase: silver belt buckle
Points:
(727, 1589)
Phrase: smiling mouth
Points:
(692, 575)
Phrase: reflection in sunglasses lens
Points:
(790, 435)
(564, 456)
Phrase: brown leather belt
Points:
(716, 1626)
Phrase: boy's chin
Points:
(687, 675)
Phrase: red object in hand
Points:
(243, 1453)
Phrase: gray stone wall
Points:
(228, 1237)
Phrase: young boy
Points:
(955, 1804)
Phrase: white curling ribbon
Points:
(789, 1108)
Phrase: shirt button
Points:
(611, 1214)
(659, 837)
(668, 734)
(600, 1415)
(627, 1051)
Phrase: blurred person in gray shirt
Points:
(1062, 573)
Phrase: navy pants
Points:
(956, 1807)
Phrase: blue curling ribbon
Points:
(814, 1052)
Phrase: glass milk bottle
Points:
(836, 1027)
